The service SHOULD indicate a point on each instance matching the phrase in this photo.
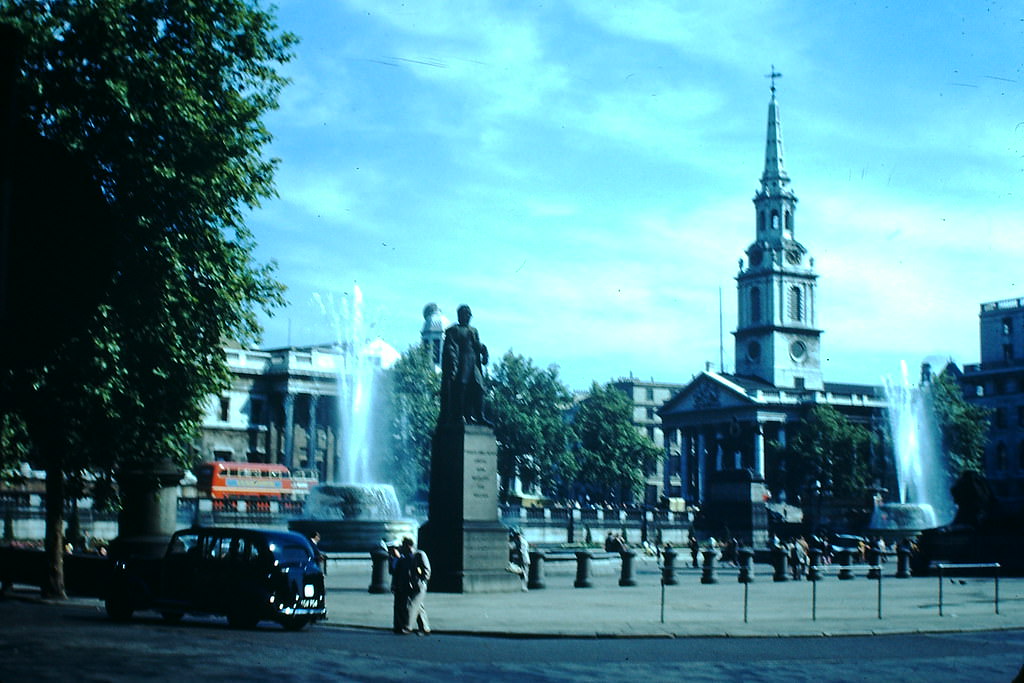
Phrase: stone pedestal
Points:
(463, 537)
(735, 507)
(149, 514)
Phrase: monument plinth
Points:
(466, 542)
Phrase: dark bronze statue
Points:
(462, 378)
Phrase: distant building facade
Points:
(723, 421)
(282, 407)
(647, 397)
(997, 383)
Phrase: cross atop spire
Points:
(773, 75)
(774, 180)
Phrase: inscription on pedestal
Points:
(479, 482)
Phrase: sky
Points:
(581, 173)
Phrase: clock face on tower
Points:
(798, 350)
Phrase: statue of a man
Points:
(462, 378)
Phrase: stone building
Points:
(283, 406)
(647, 397)
(722, 421)
(997, 383)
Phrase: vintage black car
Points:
(247, 575)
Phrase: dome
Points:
(433, 320)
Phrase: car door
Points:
(178, 573)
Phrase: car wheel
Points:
(119, 607)
(295, 623)
(172, 617)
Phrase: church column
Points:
(289, 429)
(685, 444)
(718, 450)
(702, 464)
(759, 465)
(666, 474)
(311, 437)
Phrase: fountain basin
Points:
(353, 517)
(902, 519)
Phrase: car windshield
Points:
(290, 553)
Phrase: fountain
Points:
(925, 501)
(352, 512)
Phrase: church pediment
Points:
(708, 391)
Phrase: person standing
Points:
(409, 584)
(519, 557)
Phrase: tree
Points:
(610, 454)
(527, 406)
(963, 427)
(152, 110)
(828, 448)
(414, 390)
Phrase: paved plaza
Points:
(688, 608)
(792, 608)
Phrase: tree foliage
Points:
(527, 405)
(414, 390)
(610, 454)
(828, 448)
(963, 427)
(152, 110)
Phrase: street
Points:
(61, 642)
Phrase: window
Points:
(798, 383)
(755, 305)
(796, 304)
(1001, 417)
(650, 394)
(256, 411)
(775, 220)
(789, 224)
(1007, 326)
(1001, 456)
(760, 221)
(225, 407)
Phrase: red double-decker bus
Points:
(225, 480)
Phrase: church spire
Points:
(774, 180)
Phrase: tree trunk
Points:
(53, 585)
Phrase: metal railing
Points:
(942, 566)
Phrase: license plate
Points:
(308, 602)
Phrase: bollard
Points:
(626, 578)
(813, 569)
(902, 563)
(874, 563)
(379, 581)
(708, 575)
(668, 570)
(746, 560)
(780, 562)
(583, 569)
(845, 557)
(536, 577)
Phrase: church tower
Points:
(776, 336)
